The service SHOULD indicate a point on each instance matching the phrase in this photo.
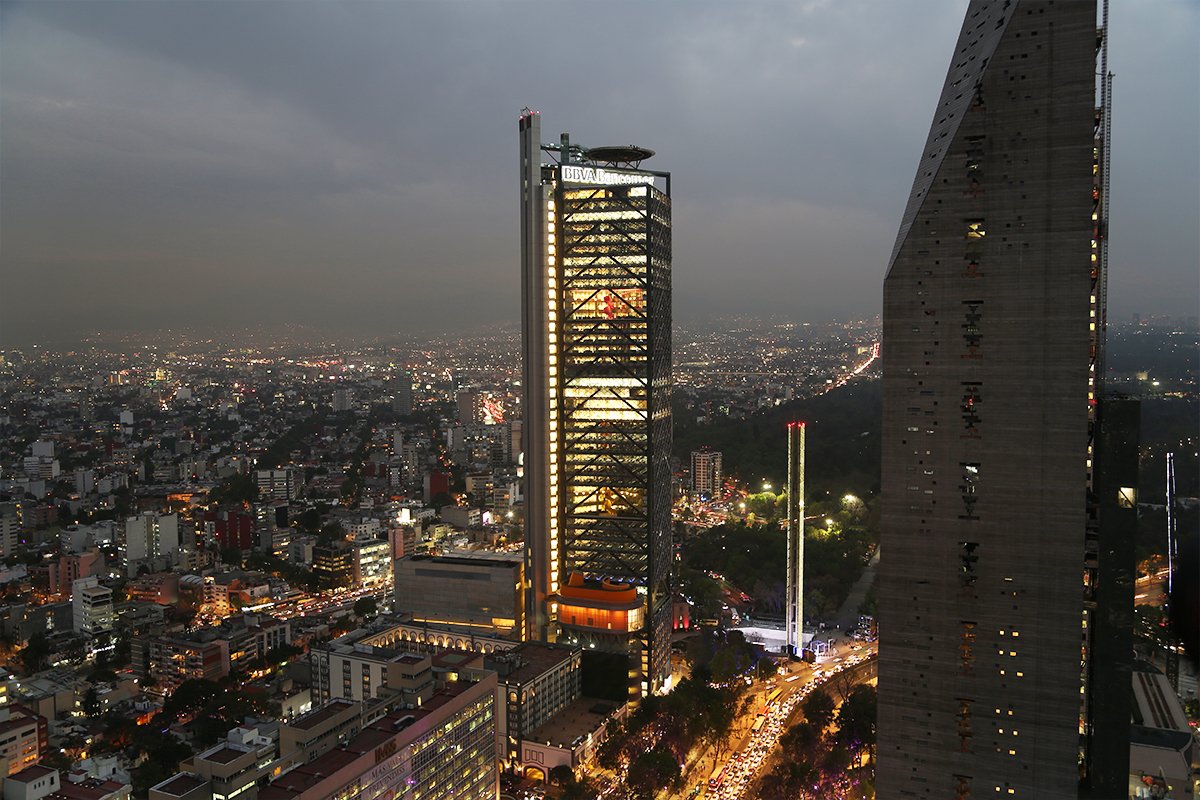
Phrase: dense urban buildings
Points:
(596, 288)
(444, 750)
(992, 317)
(239, 606)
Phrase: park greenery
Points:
(752, 559)
(575, 788)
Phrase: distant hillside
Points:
(842, 440)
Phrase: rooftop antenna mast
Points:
(567, 153)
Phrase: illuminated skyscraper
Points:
(993, 316)
(706, 472)
(596, 289)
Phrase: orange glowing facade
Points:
(602, 605)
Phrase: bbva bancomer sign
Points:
(572, 173)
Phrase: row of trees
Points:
(296, 575)
(652, 746)
(723, 655)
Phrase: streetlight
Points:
(766, 486)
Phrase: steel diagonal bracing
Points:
(614, 394)
(582, 403)
(595, 331)
(585, 442)
(639, 478)
(608, 547)
(630, 504)
(614, 292)
(582, 272)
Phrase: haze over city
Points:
(349, 166)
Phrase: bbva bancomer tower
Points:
(596, 314)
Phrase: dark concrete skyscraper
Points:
(993, 310)
(596, 310)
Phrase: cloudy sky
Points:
(353, 165)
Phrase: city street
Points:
(752, 748)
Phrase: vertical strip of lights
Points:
(1098, 316)
(1097, 330)
(552, 383)
(1172, 530)
(794, 625)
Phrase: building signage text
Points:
(384, 750)
(572, 173)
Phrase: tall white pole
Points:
(1170, 523)
(794, 625)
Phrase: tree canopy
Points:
(843, 437)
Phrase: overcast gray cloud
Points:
(352, 165)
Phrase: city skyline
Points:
(210, 165)
(296, 502)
